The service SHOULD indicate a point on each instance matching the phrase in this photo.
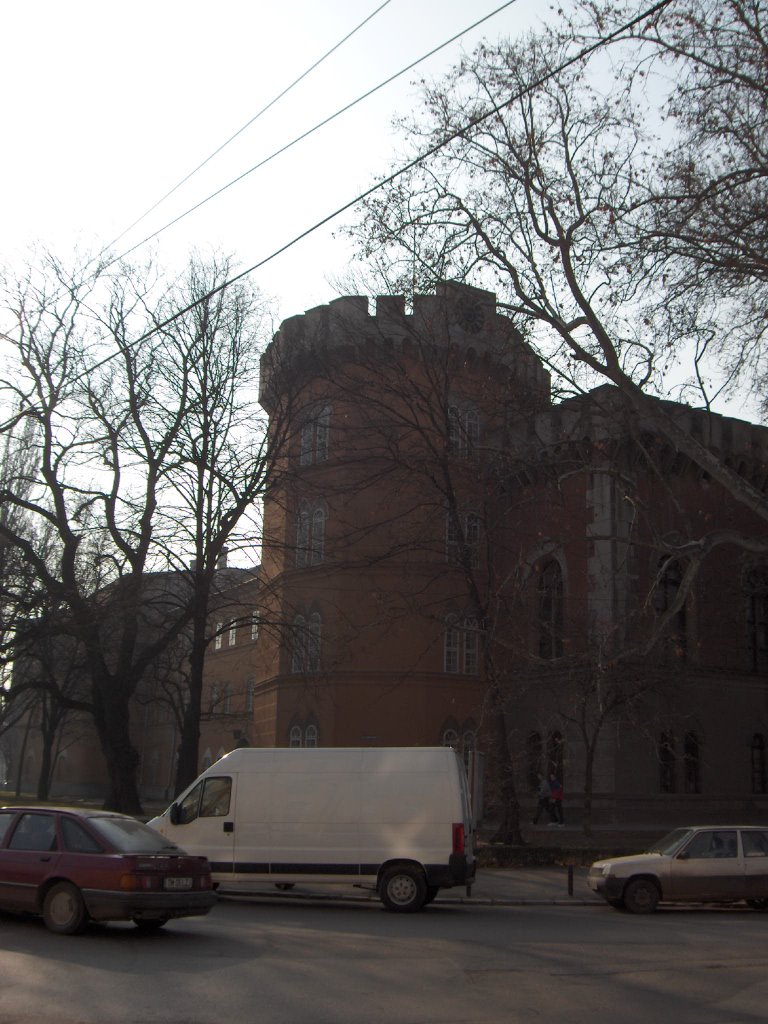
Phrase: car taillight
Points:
(458, 837)
(139, 883)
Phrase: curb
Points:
(470, 901)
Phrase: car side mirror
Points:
(173, 814)
(684, 855)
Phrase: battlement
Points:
(457, 319)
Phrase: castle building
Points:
(452, 557)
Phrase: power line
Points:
(248, 124)
(587, 51)
(306, 134)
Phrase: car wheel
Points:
(150, 924)
(641, 896)
(758, 904)
(64, 910)
(284, 886)
(403, 889)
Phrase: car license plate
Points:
(178, 883)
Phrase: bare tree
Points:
(112, 407)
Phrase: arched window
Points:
(691, 763)
(299, 645)
(758, 763)
(313, 642)
(463, 428)
(669, 579)
(551, 612)
(310, 534)
(311, 736)
(294, 736)
(666, 755)
(450, 738)
(315, 433)
(317, 543)
(757, 619)
(534, 748)
(555, 754)
(470, 647)
(451, 644)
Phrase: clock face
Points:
(470, 315)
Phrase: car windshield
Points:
(130, 836)
(671, 843)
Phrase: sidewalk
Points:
(504, 887)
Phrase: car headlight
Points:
(606, 870)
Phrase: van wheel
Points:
(403, 889)
(64, 910)
(641, 896)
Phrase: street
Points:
(289, 962)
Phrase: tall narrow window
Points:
(463, 428)
(534, 748)
(668, 582)
(213, 704)
(470, 647)
(555, 754)
(294, 736)
(233, 633)
(218, 637)
(666, 755)
(303, 524)
(299, 645)
(451, 644)
(250, 695)
(314, 439)
(462, 538)
(551, 611)
(317, 543)
(226, 699)
(691, 763)
(254, 625)
(313, 642)
(758, 763)
(757, 619)
(311, 736)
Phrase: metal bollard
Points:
(570, 879)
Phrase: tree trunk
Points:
(112, 724)
(508, 831)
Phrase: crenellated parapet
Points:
(458, 322)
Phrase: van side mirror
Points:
(173, 814)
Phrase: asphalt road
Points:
(290, 962)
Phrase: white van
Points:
(396, 819)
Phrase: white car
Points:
(701, 864)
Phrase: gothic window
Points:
(534, 748)
(463, 429)
(294, 736)
(451, 644)
(692, 763)
(314, 440)
(757, 619)
(551, 612)
(460, 645)
(299, 645)
(311, 736)
(758, 763)
(305, 643)
(555, 754)
(462, 538)
(666, 756)
(313, 642)
(217, 639)
(669, 579)
(310, 535)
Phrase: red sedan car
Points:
(73, 866)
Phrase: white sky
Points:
(106, 105)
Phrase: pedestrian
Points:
(556, 796)
(545, 799)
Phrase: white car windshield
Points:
(669, 844)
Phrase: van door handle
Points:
(229, 826)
